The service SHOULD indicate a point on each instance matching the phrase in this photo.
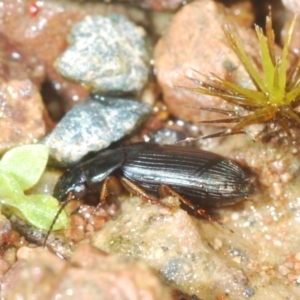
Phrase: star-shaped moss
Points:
(276, 96)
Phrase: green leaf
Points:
(9, 186)
(27, 163)
(40, 211)
(20, 169)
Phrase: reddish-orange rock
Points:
(194, 44)
(91, 274)
(21, 108)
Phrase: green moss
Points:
(276, 96)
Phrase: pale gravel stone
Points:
(179, 247)
(111, 55)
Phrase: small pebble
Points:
(297, 256)
(24, 253)
(92, 126)
(249, 292)
(4, 266)
(165, 136)
(111, 55)
(10, 255)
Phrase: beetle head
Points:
(72, 185)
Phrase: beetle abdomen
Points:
(204, 178)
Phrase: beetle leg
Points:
(136, 190)
(202, 212)
(103, 194)
(165, 190)
(111, 186)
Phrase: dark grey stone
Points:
(93, 125)
(108, 54)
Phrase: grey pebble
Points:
(93, 125)
(108, 55)
(249, 291)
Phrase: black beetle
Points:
(199, 178)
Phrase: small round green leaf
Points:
(9, 186)
(40, 211)
(20, 169)
(27, 163)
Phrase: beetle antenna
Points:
(63, 205)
